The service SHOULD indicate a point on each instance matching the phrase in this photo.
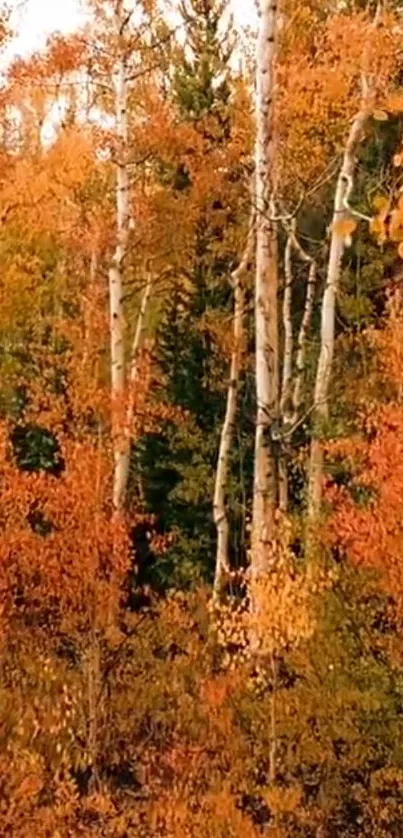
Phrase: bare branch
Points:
(346, 200)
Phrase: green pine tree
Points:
(179, 465)
(202, 83)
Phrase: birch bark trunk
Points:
(266, 282)
(124, 465)
(286, 383)
(293, 373)
(337, 247)
(302, 340)
(287, 326)
(116, 274)
(222, 565)
(122, 382)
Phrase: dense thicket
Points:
(135, 698)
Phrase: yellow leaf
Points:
(380, 203)
(377, 228)
(398, 160)
(400, 250)
(380, 116)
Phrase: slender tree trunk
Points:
(293, 372)
(227, 431)
(116, 273)
(283, 496)
(88, 305)
(287, 375)
(302, 341)
(122, 382)
(286, 383)
(266, 283)
(133, 377)
(337, 247)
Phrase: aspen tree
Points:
(294, 359)
(228, 427)
(116, 270)
(340, 227)
(266, 283)
(128, 47)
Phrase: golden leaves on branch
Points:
(282, 615)
(318, 90)
(381, 204)
(378, 224)
(387, 224)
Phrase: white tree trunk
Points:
(302, 341)
(286, 383)
(266, 282)
(124, 464)
(116, 273)
(227, 431)
(122, 384)
(337, 247)
(293, 375)
(287, 376)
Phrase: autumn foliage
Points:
(365, 520)
(132, 702)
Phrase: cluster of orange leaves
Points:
(370, 530)
(322, 61)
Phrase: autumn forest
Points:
(201, 423)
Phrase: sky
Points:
(36, 19)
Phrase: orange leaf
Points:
(396, 226)
(345, 226)
(400, 250)
(377, 228)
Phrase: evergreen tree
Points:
(202, 83)
(179, 465)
